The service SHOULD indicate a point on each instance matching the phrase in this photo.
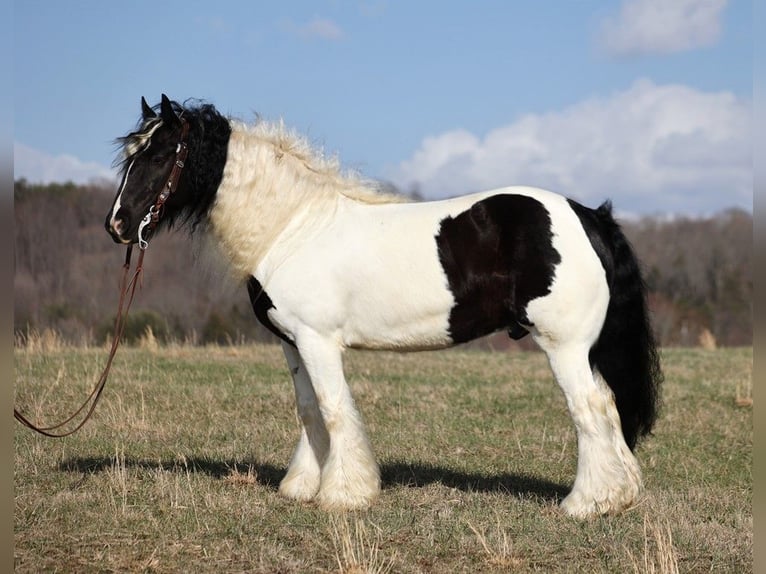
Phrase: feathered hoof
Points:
(299, 486)
(346, 501)
(581, 506)
(348, 496)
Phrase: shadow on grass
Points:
(418, 475)
(266, 474)
(393, 474)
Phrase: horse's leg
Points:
(608, 476)
(350, 477)
(303, 475)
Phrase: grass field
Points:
(179, 467)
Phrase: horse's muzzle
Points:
(117, 226)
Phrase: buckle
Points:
(143, 243)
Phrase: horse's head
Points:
(152, 185)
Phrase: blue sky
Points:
(648, 102)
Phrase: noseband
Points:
(152, 218)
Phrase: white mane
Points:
(274, 177)
(324, 170)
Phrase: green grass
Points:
(179, 467)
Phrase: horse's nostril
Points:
(119, 225)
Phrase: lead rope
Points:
(150, 221)
(127, 291)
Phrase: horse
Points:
(332, 262)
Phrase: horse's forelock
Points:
(136, 141)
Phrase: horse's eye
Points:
(159, 159)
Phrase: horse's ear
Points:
(167, 112)
(146, 110)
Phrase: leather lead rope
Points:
(127, 291)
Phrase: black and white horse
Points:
(330, 263)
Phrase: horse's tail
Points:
(625, 353)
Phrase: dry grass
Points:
(744, 392)
(659, 554)
(497, 546)
(35, 341)
(179, 468)
(357, 550)
(148, 341)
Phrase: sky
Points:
(648, 103)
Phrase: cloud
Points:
(650, 148)
(316, 29)
(39, 167)
(662, 26)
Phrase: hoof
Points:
(299, 486)
(578, 505)
(337, 500)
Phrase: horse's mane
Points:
(285, 142)
(276, 187)
(326, 170)
(132, 143)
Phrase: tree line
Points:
(67, 269)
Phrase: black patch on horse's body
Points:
(262, 303)
(498, 256)
(517, 332)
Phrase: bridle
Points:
(127, 291)
(152, 217)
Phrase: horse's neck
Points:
(262, 193)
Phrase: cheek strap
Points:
(152, 217)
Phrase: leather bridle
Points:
(152, 217)
(127, 291)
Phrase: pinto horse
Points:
(330, 263)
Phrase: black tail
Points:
(625, 353)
